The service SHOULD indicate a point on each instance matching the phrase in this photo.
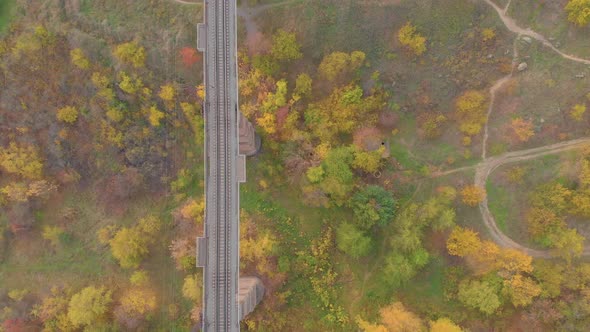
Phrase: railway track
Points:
(221, 221)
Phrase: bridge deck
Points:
(221, 271)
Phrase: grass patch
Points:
(498, 202)
(403, 156)
(6, 10)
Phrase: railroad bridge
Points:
(229, 137)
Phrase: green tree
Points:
(89, 305)
(480, 295)
(352, 240)
(400, 268)
(303, 85)
(373, 205)
(338, 180)
(578, 12)
(285, 46)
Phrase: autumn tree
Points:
(285, 46)
(471, 112)
(256, 246)
(395, 317)
(138, 301)
(567, 244)
(345, 110)
(521, 290)
(472, 195)
(22, 160)
(167, 93)
(337, 65)
(130, 245)
(366, 326)
(541, 222)
(139, 278)
(550, 276)
(480, 295)
(53, 234)
(577, 112)
(523, 129)
(463, 242)
(155, 116)
(553, 196)
(53, 311)
(130, 85)
(188, 56)
(89, 306)
(131, 53)
(444, 325)
(578, 12)
(192, 288)
(79, 59)
(68, 114)
(411, 39)
(353, 241)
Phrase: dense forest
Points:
(425, 165)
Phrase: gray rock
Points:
(527, 39)
(522, 66)
(490, 56)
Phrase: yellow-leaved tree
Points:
(68, 114)
(411, 39)
(131, 53)
(472, 195)
(578, 12)
(22, 160)
(89, 305)
(470, 111)
(444, 325)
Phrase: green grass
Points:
(403, 156)
(6, 11)
(499, 203)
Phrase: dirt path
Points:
(486, 167)
(512, 26)
(493, 92)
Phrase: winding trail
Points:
(488, 165)
(494, 91)
(511, 25)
